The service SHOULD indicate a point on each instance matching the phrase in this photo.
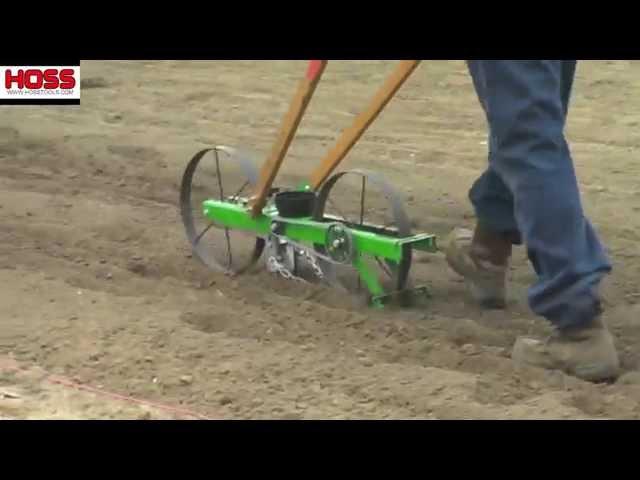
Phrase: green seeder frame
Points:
(259, 215)
(314, 233)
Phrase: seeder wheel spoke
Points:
(226, 230)
(203, 233)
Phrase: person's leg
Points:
(490, 197)
(482, 256)
(526, 104)
(492, 202)
(568, 75)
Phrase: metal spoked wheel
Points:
(223, 174)
(366, 200)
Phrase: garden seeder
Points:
(301, 236)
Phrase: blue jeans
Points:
(529, 189)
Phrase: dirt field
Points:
(97, 283)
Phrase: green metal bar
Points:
(370, 280)
(305, 230)
(236, 216)
(423, 241)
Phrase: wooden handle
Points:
(287, 131)
(351, 135)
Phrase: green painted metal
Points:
(423, 241)
(306, 230)
(235, 216)
(370, 280)
(311, 232)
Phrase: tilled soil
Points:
(98, 282)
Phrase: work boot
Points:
(587, 352)
(482, 258)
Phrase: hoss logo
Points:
(35, 78)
